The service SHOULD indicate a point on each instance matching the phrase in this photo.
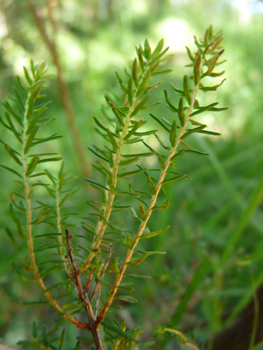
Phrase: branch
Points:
(82, 295)
(64, 91)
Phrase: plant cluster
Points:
(92, 279)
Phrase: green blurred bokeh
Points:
(94, 39)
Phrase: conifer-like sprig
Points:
(136, 94)
(115, 161)
(24, 117)
(207, 55)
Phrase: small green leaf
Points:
(186, 90)
(61, 339)
(151, 184)
(160, 122)
(138, 276)
(101, 280)
(12, 128)
(147, 49)
(163, 206)
(213, 62)
(29, 80)
(115, 110)
(126, 298)
(139, 54)
(99, 124)
(190, 54)
(98, 155)
(138, 155)
(118, 331)
(178, 154)
(54, 159)
(23, 89)
(30, 139)
(42, 217)
(160, 160)
(67, 196)
(197, 152)
(142, 212)
(181, 113)
(46, 139)
(134, 214)
(158, 48)
(173, 179)
(130, 91)
(202, 109)
(10, 235)
(46, 246)
(32, 165)
(12, 153)
(173, 134)
(131, 173)
(197, 68)
(162, 71)
(96, 184)
(121, 84)
(155, 233)
(134, 72)
(145, 133)
(211, 88)
(133, 130)
(180, 92)
(34, 330)
(191, 131)
(169, 104)
(161, 143)
(11, 111)
(11, 170)
(139, 105)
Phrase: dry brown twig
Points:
(64, 91)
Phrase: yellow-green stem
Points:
(149, 210)
(102, 224)
(32, 259)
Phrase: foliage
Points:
(93, 262)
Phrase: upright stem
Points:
(65, 95)
(148, 213)
(27, 189)
(102, 224)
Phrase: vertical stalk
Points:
(148, 213)
(102, 224)
(64, 90)
(29, 225)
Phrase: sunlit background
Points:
(94, 38)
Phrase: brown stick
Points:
(239, 335)
(82, 295)
(65, 95)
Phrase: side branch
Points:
(82, 295)
(148, 213)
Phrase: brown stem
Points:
(65, 95)
(82, 295)
(238, 336)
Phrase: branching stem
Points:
(102, 224)
(149, 211)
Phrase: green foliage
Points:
(96, 280)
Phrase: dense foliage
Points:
(221, 202)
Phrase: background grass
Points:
(214, 246)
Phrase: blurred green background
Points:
(94, 38)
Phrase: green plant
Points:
(95, 277)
